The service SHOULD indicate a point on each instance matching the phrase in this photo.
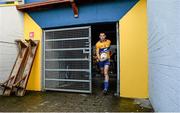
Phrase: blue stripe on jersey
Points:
(103, 50)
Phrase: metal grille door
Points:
(67, 65)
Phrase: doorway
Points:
(110, 29)
(68, 63)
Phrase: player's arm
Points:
(97, 51)
(109, 43)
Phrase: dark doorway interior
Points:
(97, 78)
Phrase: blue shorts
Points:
(103, 63)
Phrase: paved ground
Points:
(64, 102)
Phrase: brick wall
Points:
(11, 28)
(164, 54)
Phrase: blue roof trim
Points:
(88, 14)
(31, 1)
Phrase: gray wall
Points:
(164, 54)
(11, 28)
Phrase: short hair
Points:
(102, 33)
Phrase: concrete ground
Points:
(68, 102)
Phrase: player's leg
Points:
(106, 76)
(102, 70)
(101, 66)
(106, 71)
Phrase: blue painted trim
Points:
(88, 14)
(31, 1)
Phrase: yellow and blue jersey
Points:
(104, 47)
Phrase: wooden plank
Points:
(21, 88)
(48, 4)
(41, 4)
(52, 3)
(8, 85)
(75, 9)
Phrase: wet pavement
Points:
(68, 102)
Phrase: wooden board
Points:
(8, 86)
(32, 49)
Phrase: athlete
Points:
(103, 57)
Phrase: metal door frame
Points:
(43, 61)
(118, 58)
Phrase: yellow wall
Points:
(34, 82)
(134, 52)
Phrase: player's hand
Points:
(98, 59)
